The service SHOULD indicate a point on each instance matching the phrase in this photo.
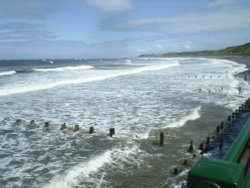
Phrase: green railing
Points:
(226, 173)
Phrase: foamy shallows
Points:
(139, 97)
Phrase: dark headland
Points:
(240, 54)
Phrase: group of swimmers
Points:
(47, 125)
(64, 126)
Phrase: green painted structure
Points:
(230, 172)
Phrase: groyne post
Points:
(161, 139)
(208, 140)
(201, 146)
(221, 144)
(222, 125)
(111, 132)
(91, 130)
(217, 129)
(191, 147)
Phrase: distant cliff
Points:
(242, 50)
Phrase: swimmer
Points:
(32, 123)
(77, 128)
(18, 120)
(63, 126)
(46, 124)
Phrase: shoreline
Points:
(239, 59)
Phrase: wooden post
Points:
(222, 125)
(208, 140)
(111, 132)
(201, 146)
(175, 171)
(91, 130)
(161, 139)
(217, 129)
(221, 144)
(191, 148)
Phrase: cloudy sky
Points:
(119, 28)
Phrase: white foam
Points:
(83, 171)
(95, 76)
(128, 62)
(192, 115)
(7, 73)
(68, 68)
(72, 177)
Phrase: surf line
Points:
(114, 74)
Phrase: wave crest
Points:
(7, 73)
(68, 68)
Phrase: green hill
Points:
(242, 50)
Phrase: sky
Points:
(34, 29)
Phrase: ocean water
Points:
(186, 98)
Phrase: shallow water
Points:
(183, 97)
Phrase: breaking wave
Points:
(68, 68)
(95, 76)
(192, 115)
(7, 73)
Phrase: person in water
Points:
(77, 128)
(46, 124)
(63, 126)
(18, 120)
(32, 123)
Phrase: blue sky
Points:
(119, 28)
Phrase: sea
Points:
(183, 98)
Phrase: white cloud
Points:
(111, 6)
(224, 20)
